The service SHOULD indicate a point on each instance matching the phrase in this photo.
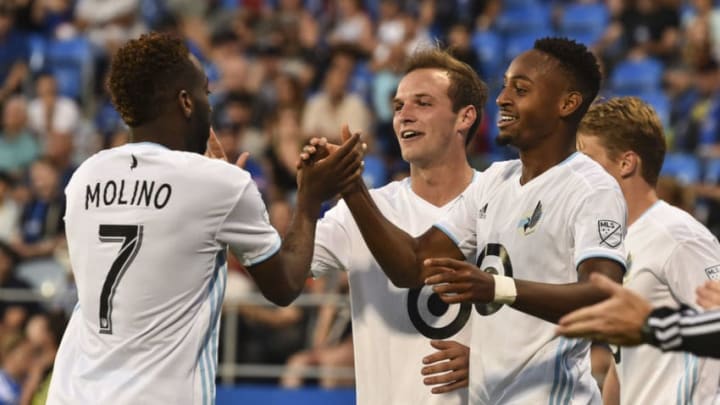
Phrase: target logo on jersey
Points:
(434, 318)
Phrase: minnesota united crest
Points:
(527, 225)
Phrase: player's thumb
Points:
(242, 160)
(346, 133)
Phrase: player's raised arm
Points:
(400, 255)
(282, 276)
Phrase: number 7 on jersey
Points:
(131, 238)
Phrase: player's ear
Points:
(570, 103)
(185, 103)
(466, 117)
(630, 164)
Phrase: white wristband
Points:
(505, 291)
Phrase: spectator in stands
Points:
(50, 113)
(333, 106)
(13, 54)
(460, 47)
(641, 28)
(42, 226)
(18, 147)
(16, 355)
(353, 26)
(9, 210)
(13, 312)
(331, 348)
(44, 331)
(109, 23)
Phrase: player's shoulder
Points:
(588, 173)
(676, 224)
(500, 172)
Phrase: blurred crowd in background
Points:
(281, 71)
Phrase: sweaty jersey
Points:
(670, 255)
(147, 230)
(392, 327)
(540, 231)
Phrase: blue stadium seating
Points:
(518, 44)
(584, 22)
(488, 45)
(712, 171)
(634, 77)
(525, 20)
(72, 66)
(660, 102)
(374, 173)
(685, 167)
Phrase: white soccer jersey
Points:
(670, 255)
(147, 230)
(392, 327)
(540, 231)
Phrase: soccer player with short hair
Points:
(438, 108)
(670, 253)
(537, 226)
(148, 225)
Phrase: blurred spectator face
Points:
(335, 83)
(348, 7)
(287, 5)
(37, 331)
(702, 6)
(6, 20)
(234, 73)
(59, 147)
(15, 115)
(459, 37)
(44, 180)
(6, 265)
(19, 357)
(46, 87)
(389, 9)
(287, 89)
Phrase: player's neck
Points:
(158, 132)
(539, 159)
(639, 197)
(439, 185)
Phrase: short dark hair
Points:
(579, 63)
(466, 87)
(146, 73)
(628, 124)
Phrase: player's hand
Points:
(459, 281)
(323, 179)
(708, 295)
(617, 320)
(448, 367)
(214, 150)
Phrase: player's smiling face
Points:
(530, 99)
(423, 119)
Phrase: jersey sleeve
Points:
(689, 266)
(247, 230)
(599, 227)
(332, 242)
(461, 221)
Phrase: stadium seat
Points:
(712, 171)
(524, 20)
(517, 44)
(374, 173)
(72, 65)
(584, 22)
(37, 47)
(660, 102)
(488, 45)
(636, 77)
(685, 167)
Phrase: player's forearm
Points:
(552, 301)
(297, 248)
(395, 251)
